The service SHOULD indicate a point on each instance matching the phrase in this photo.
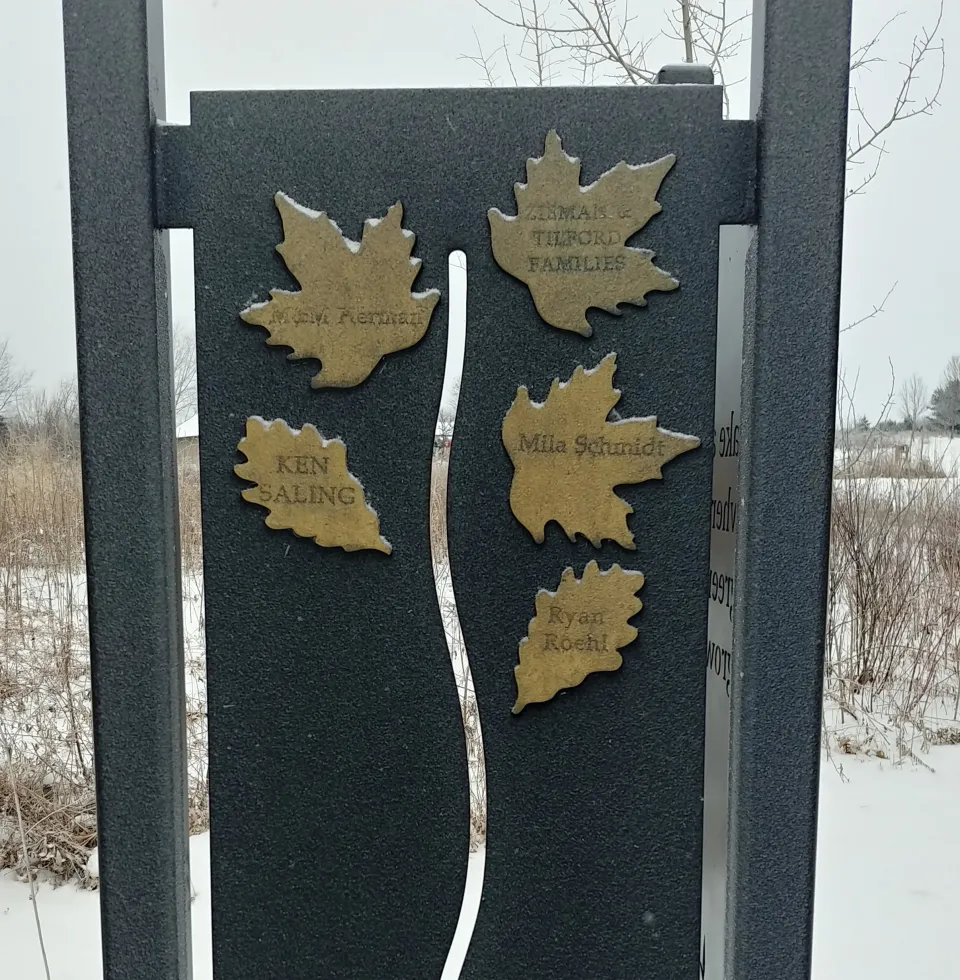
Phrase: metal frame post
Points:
(114, 84)
(800, 92)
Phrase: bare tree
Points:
(587, 41)
(52, 416)
(184, 375)
(914, 400)
(595, 40)
(951, 373)
(945, 400)
(13, 380)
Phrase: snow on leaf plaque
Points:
(568, 457)
(355, 305)
(568, 243)
(577, 631)
(303, 481)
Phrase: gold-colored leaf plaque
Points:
(355, 304)
(567, 242)
(577, 630)
(568, 457)
(303, 481)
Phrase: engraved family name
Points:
(590, 246)
(302, 479)
(592, 446)
(355, 305)
(305, 492)
(585, 637)
(568, 457)
(343, 317)
(568, 243)
(576, 631)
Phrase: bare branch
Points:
(687, 27)
(716, 36)
(591, 34)
(877, 310)
(863, 55)
(599, 40)
(866, 140)
(509, 60)
(485, 62)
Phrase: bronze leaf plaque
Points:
(567, 242)
(355, 304)
(303, 481)
(577, 631)
(568, 456)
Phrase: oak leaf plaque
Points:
(568, 456)
(568, 243)
(577, 631)
(303, 481)
(355, 304)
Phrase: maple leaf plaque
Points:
(577, 631)
(567, 242)
(355, 304)
(303, 481)
(568, 457)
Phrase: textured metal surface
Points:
(335, 745)
(130, 493)
(594, 824)
(338, 781)
(685, 74)
(788, 404)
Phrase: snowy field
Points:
(888, 896)
(888, 867)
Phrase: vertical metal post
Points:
(800, 86)
(114, 76)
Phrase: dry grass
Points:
(46, 736)
(892, 684)
(892, 466)
(45, 707)
(892, 671)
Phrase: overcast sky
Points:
(901, 231)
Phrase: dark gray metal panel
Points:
(174, 148)
(738, 163)
(339, 799)
(359, 692)
(786, 465)
(180, 182)
(130, 489)
(595, 798)
(685, 73)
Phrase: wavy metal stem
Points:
(456, 329)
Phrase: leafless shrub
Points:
(892, 671)
(45, 701)
(892, 465)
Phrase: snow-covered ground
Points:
(888, 870)
(888, 890)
